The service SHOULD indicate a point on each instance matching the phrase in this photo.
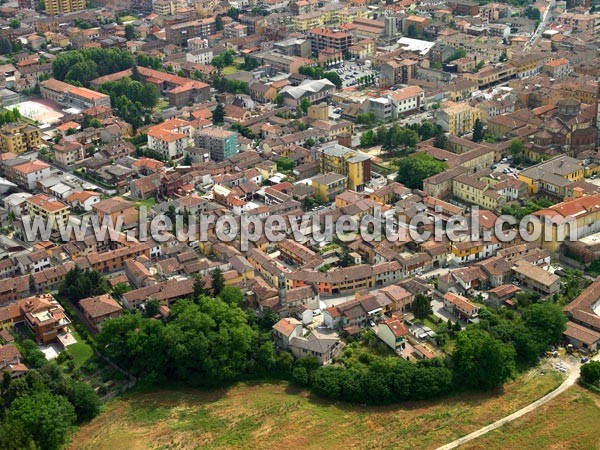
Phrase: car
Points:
(506, 170)
(503, 161)
(316, 312)
(493, 166)
(371, 323)
(584, 360)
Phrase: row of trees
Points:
(83, 65)
(40, 409)
(9, 116)
(232, 86)
(390, 138)
(210, 341)
(317, 73)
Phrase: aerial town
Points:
(359, 202)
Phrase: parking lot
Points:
(352, 73)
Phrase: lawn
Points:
(81, 351)
(570, 421)
(281, 416)
(148, 203)
(229, 70)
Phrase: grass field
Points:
(81, 351)
(284, 417)
(570, 421)
(229, 70)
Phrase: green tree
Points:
(547, 321)
(482, 362)
(45, 417)
(421, 307)
(412, 31)
(590, 372)
(304, 105)
(217, 281)
(413, 169)
(15, 23)
(368, 139)
(516, 148)
(459, 53)
(84, 400)
(285, 164)
(130, 32)
(478, 133)
(440, 141)
(151, 308)
(218, 115)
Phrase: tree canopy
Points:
(83, 65)
(81, 283)
(413, 169)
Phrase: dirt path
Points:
(574, 371)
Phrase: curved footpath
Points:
(570, 381)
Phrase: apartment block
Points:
(324, 38)
(51, 210)
(19, 137)
(354, 165)
(221, 144)
(458, 118)
(54, 7)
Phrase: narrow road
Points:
(570, 381)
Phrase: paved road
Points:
(570, 381)
(542, 25)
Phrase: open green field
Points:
(570, 421)
(81, 351)
(267, 416)
(229, 70)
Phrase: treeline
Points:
(135, 91)
(232, 86)
(205, 342)
(390, 138)
(9, 116)
(396, 136)
(83, 65)
(40, 409)
(317, 73)
(211, 341)
(132, 99)
(381, 381)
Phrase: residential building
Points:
(393, 332)
(289, 334)
(536, 278)
(328, 185)
(221, 144)
(42, 314)
(460, 306)
(457, 118)
(356, 166)
(28, 173)
(55, 7)
(553, 176)
(68, 153)
(170, 138)
(51, 210)
(324, 38)
(97, 309)
(19, 137)
(115, 209)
